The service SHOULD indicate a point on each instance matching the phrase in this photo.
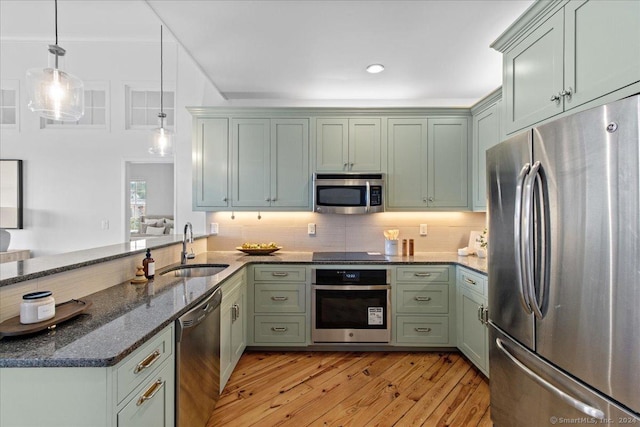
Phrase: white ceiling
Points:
(304, 52)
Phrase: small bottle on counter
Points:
(149, 266)
(410, 247)
(404, 247)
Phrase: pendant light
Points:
(53, 93)
(162, 142)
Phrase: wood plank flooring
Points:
(353, 389)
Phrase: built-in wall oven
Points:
(351, 306)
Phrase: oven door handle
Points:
(350, 287)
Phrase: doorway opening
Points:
(149, 199)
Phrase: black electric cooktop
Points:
(348, 256)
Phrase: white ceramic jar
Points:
(37, 307)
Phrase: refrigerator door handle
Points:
(572, 401)
(517, 239)
(534, 175)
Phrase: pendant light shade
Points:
(54, 93)
(162, 142)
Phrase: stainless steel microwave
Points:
(348, 193)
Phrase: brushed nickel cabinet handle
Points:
(555, 98)
(279, 329)
(567, 92)
(147, 361)
(150, 392)
(280, 274)
(419, 298)
(422, 274)
(275, 298)
(423, 329)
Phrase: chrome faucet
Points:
(184, 256)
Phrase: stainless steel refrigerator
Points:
(564, 271)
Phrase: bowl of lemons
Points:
(259, 248)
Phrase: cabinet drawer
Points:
(422, 329)
(422, 274)
(280, 298)
(422, 299)
(153, 405)
(473, 281)
(143, 362)
(280, 329)
(279, 273)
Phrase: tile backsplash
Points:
(446, 231)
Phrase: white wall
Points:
(159, 182)
(73, 178)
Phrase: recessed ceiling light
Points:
(375, 68)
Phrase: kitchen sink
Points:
(195, 270)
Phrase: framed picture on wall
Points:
(10, 193)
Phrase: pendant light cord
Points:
(56, 16)
(161, 78)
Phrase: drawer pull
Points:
(469, 281)
(279, 329)
(279, 274)
(148, 361)
(423, 329)
(151, 391)
(279, 298)
(419, 298)
(422, 274)
(235, 312)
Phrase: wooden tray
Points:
(64, 311)
(258, 251)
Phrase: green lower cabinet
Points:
(471, 322)
(280, 330)
(233, 326)
(153, 404)
(138, 391)
(423, 330)
(423, 306)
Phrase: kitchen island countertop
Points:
(125, 316)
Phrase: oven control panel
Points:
(350, 277)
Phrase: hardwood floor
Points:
(353, 389)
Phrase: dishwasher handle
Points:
(197, 314)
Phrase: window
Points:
(95, 110)
(138, 202)
(143, 106)
(9, 104)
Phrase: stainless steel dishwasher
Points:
(198, 362)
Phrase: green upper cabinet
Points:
(486, 134)
(448, 163)
(428, 163)
(270, 163)
(575, 53)
(290, 175)
(407, 163)
(348, 145)
(210, 163)
(251, 162)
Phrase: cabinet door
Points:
(364, 145)
(290, 163)
(154, 405)
(448, 163)
(533, 74)
(211, 148)
(472, 334)
(251, 171)
(332, 144)
(407, 163)
(485, 135)
(602, 52)
(239, 325)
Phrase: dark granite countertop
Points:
(125, 316)
(20, 271)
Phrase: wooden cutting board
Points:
(64, 311)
